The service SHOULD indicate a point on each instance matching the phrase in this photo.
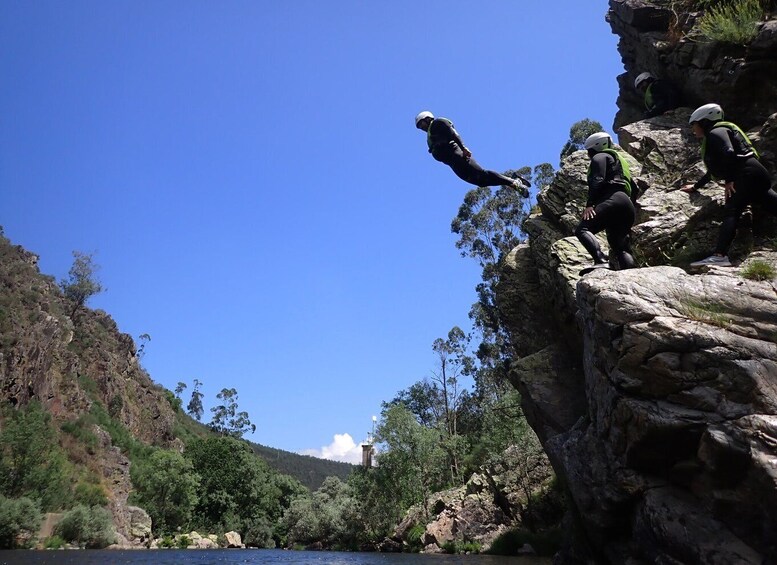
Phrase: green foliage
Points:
(488, 225)
(90, 527)
(307, 471)
(734, 22)
(459, 547)
(226, 419)
(166, 487)
(577, 135)
(759, 270)
(174, 401)
(81, 283)
(31, 462)
(235, 485)
(413, 464)
(54, 542)
(258, 532)
(19, 522)
(90, 494)
(194, 408)
(183, 542)
(329, 515)
(167, 542)
(120, 435)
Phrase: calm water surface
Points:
(257, 556)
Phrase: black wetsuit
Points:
(444, 147)
(728, 157)
(614, 212)
(660, 96)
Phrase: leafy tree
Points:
(226, 419)
(488, 224)
(543, 175)
(413, 464)
(82, 282)
(166, 486)
(577, 134)
(19, 519)
(144, 339)
(329, 515)
(235, 485)
(90, 527)
(31, 462)
(194, 408)
(179, 389)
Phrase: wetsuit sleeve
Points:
(597, 179)
(702, 181)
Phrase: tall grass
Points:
(732, 22)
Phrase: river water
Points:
(252, 556)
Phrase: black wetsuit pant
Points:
(752, 185)
(615, 215)
(469, 170)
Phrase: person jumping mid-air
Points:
(446, 146)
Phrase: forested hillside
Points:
(85, 431)
(310, 471)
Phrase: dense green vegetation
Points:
(732, 22)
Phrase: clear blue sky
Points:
(250, 180)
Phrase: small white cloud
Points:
(342, 448)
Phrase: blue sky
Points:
(250, 180)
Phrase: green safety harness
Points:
(621, 173)
(738, 133)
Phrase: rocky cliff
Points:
(72, 365)
(654, 390)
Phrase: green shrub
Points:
(54, 542)
(19, 522)
(167, 542)
(183, 542)
(758, 270)
(732, 23)
(32, 464)
(90, 495)
(87, 527)
(458, 547)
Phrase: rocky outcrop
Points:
(75, 364)
(488, 505)
(653, 390)
(656, 36)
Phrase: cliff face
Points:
(659, 37)
(654, 390)
(71, 364)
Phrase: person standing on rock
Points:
(729, 155)
(446, 146)
(660, 95)
(609, 206)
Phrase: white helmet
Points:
(598, 141)
(707, 112)
(642, 78)
(422, 116)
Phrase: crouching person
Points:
(609, 206)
